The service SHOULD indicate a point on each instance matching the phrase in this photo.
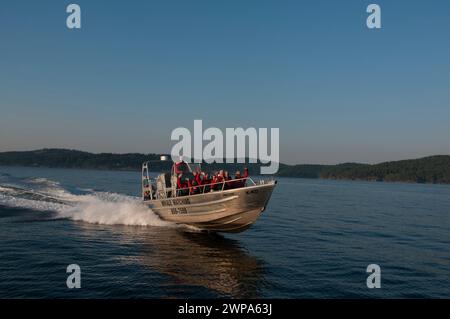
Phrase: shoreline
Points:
(282, 176)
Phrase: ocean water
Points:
(315, 240)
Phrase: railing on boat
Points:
(212, 186)
(206, 188)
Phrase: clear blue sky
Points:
(137, 69)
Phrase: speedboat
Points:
(215, 207)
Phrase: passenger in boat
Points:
(181, 167)
(227, 180)
(203, 179)
(206, 182)
(184, 185)
(218, 181)
(180, 182)
(196, 182)
(239, 180)
(213, 182)
(198, 176)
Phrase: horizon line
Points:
(168, 154)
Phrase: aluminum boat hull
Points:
(232, 210)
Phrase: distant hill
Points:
(64, 158)
(433, 169)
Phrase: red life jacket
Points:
(198, 179)
(180, 167)
(181, 182)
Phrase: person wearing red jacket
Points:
(183, 185)
(196, 183)
(214, 182)
(181, 167)
(198, 178)
(206, 181)
(219, 180)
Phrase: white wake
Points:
(94, 207)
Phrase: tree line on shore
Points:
(432, 169)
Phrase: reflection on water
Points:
(207, 260)
(186, 258)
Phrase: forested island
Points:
(432, 169)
